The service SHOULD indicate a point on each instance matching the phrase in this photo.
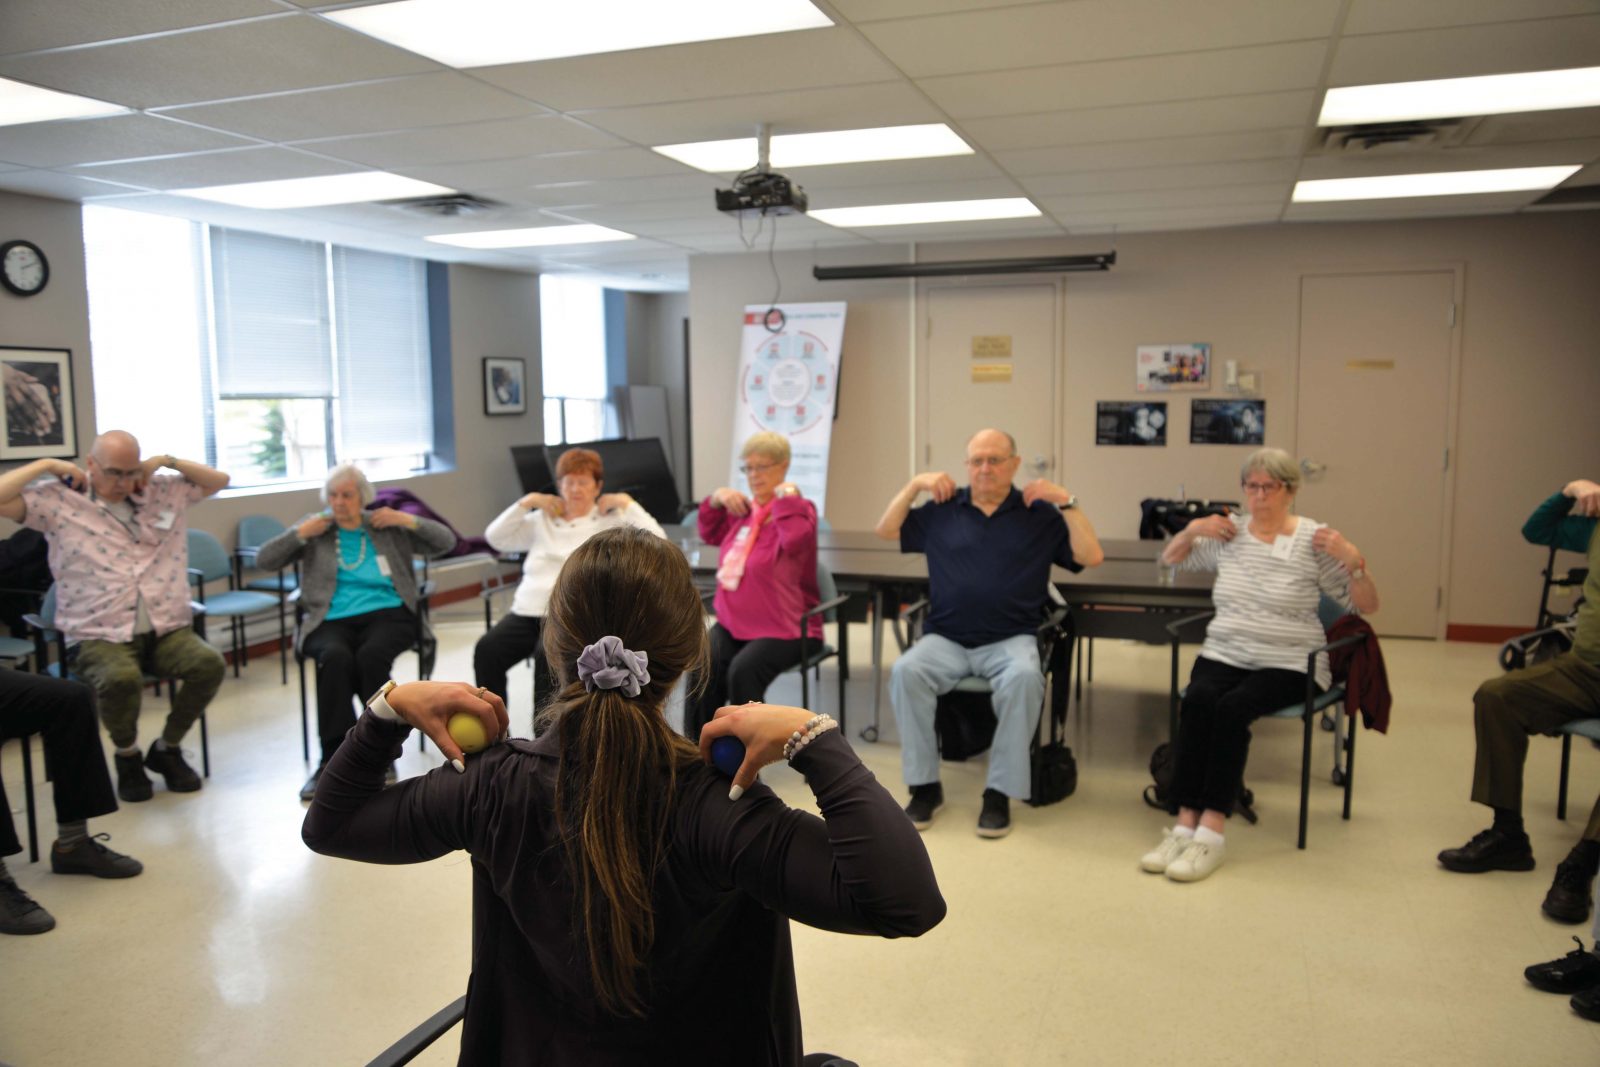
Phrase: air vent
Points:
(1387, 137)
(454, 206)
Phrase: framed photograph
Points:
(1227, 422)
(40, 416)
(1130, 422)
(505, 386)
(1158, 368)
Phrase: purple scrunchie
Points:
(607, 665)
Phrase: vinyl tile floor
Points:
(239, 946)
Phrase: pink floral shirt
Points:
(103, 567)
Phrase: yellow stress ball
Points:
(468, 732)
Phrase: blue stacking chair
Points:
(1306, 711)
(209, 562)
(255, 531)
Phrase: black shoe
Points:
(168, 762)
(89, 856)
(309, 790)
(1491, 850)
(926, 800)
(1568, 899)
(20, 913)
(1587, 1004)
(132, 783)
(1576, 971)
(996, 818)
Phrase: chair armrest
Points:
(38, 624)
(198, 607)
(913, 608)
(1173, 627)
(243, 553)
(826, 605)
(1343, 642)
(1053, 621)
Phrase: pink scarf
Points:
(731, 572)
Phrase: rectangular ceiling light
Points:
(481, 33)
(1492, 94)
(20, 103)
(1448, 183)
(355, 188)
(1018, 207)
(823, 149)
(532, 237)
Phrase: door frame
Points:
(922, 332)
(1457, 270)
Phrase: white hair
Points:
(348, 472)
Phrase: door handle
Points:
(1312, 469)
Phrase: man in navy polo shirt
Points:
(989, 549)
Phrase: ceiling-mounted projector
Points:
(762, 190)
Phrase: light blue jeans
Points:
(933, 666)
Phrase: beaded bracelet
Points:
(819, 724)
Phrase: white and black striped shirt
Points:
(1266, 597)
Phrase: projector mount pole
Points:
(763, 148)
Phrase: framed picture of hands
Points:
(39, 418)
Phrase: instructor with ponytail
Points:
(630, 904)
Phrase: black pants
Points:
(1214, 731)
(740, 672)
(62, 713)
(354, 657)
(513, 639)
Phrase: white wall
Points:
(1529, 367)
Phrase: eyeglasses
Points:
(1261, 487)
(755, 468)
(120, 476)
(988, 461)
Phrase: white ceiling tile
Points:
(394, 220)
(917, 193)
(467, 142)
(1176, 151)
(55, 144)
(1387, 16)
(26, 25)
(421, 100)
(1154, 200)
(1210, 214)
(768, 63)
(894, 172)
(1536, 126)
(961, 231)
(1410, 207)
(1175, 176)
(1083, 30)
(801, 111)
(1546, 44)
(566, 167)
(1138, 122)
(873, 10)
(214, 168)
(1494, 157)
(240, 59)
(1189, 76)
(1161, 223)
(623, 214)
(60, 186)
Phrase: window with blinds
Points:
(307, 354)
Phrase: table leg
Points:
(870, 733)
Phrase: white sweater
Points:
(548, 542)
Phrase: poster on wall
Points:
(1130, 422)
(39, 419)
(789, 383)
(1158, 368)
(1227, 422)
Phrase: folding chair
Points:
(209, 562)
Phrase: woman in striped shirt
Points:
(1272, 570)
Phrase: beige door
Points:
(1374, 421)
(989, 359)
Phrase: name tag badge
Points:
(742, 536)
(383, 566)
(1283, 547)
(164, 520)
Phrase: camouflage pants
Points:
(117, 671)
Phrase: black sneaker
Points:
(1568, 899)
(132, 783)
(995, 821)
(168, 762)
(1587, 1004)
(89, 856)
(309, 790)
(1490, 850)
(20, 913)
(1576, 971)
(926, 801)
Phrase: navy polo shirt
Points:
(987, 573)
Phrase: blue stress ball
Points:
(727, 755)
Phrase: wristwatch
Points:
(1359, 571)
(379, 704)
(1072, 502)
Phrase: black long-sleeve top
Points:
(721, 972)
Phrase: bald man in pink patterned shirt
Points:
(119, 553)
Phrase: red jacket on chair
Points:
(1360, 667)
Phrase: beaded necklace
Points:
(360, 559)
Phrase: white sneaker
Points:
(1198, 861)
(1160, 858)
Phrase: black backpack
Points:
(1163, 766)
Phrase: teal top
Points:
(362, 586)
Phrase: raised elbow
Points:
(1094, 557)
(919, 917)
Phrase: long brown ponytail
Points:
(619, 758)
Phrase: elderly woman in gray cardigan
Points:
(359, 593)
